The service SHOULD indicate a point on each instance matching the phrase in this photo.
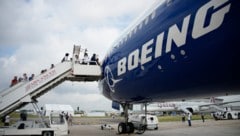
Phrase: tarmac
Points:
(198, 128)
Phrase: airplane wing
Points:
(218, 104)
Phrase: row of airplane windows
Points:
(138, 27)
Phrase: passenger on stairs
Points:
(97, 60)
(43, 71)
(65, 58)
(85, 58)
(14, 81)
(20, 79)
(31, 77)
(93, 59)
(52, 66)
(25, 77)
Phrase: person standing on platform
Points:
(93, 59)
(65, 58)
(85, 58)
(14, 81)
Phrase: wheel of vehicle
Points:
(47, 133)
(229, 116)
(130, 127)
(121, 128)
(141, 129)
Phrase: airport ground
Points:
(174, 128)
(168, 126)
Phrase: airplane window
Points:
(120, 42)
(126, 38)
(135, 30)
(169, 2)
(153, 14)
(116, 46)
(146, 21)
(130, 34)
(140, 26)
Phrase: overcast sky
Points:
(36, 33)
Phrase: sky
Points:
(37, 33)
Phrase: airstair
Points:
(26, 92)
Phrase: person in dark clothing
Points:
(202, 116)
(23, 116)
(65, 58)
(97, 60)
(93, 59)
(52, 66)
(31, 77)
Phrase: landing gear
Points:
(122, 128)
(125, 127)
(128, 127)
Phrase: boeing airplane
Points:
(178, 49)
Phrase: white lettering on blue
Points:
(158, 47)
(215, 21)
(179, 37)
(133, 59)
(122, 66)
(176, 35)
(146, 50)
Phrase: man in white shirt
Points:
(189, 119)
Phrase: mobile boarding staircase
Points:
(23, 93)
